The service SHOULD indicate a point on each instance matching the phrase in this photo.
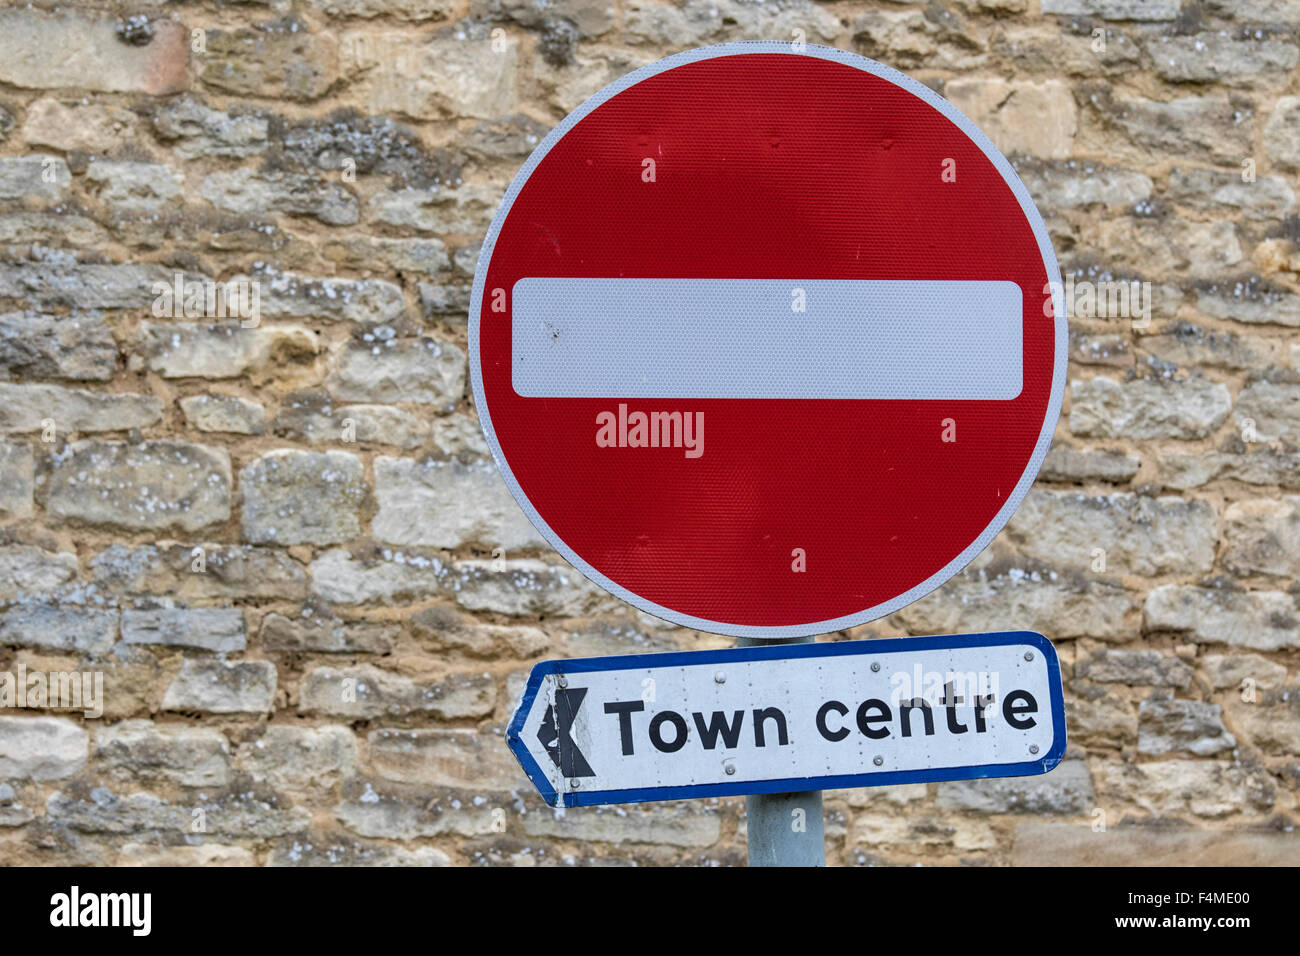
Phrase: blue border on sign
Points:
(585, 665)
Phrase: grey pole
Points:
(785, 829)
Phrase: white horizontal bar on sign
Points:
(766, 338)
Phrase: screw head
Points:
(878, 761)
(719, 678)
(875, 665)
(574, 783)
(562, 681)
(1029, 655)
(1033, 748)
(730, 768)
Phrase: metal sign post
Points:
(784, 829)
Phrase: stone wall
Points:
(311, 600)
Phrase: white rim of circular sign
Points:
(1027, 206)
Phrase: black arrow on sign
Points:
(554, 733)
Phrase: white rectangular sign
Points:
(766, 338)
(786, 718)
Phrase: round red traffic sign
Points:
(764, 341)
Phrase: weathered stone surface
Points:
(300, 758)
(418, 256)
(465, 209)
(209, 629)
(76, 347)
(41, 748)
(694, 22)
(222, 349)
(17, 480)
(1170, 246)
(56, 628)
(222, 687)
(460, 437)
(1063, 844)
(1267, 197)
(1102, 721)
(1135, 668)
(224, 413)
(427, 371)
(240, 814)
(201, 572)
(1070, 183)
(1019, 116)
(912, 39)
(92, 127)
(294, 194)
(446, 629)
(320, 850)
(1067, 789)
(375, 808)
(318, 635)
(1260, 466)
(36, 177)
(142, 854)
(460, 759)
(67, 49)
(280, 59)
(400, 9)
(1249, 299)
(674, 824)
(1115, 9)
(526, 587)
(148, 486)
(446, 504)
(192, 130)
(143, 750)
(366, 301)
(910, 834)
(1185, 343)
(1272, 405)
(1230, 670)
(1262, 536)
(1064, 463)
(1204, 788)
(28, 408)
(134, 187)
(1270, 720)
(27, 571)
(1043, 599)
(1282, 134)
(58, 282)
(317, 418)
(1165, 726)
(505, 137)
(1213, 57)
(367, 692)
(339, 578)
(446, 77)
(1137, 534)
(1262, 620)
(302, 497)
(1209, 126)
(50, 229)
(1148, 408)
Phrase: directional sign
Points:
(764, 341)
(790, 717)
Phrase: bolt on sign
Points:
(768, 340)
(764, 342)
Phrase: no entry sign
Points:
(762, 339)
(790, 718)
